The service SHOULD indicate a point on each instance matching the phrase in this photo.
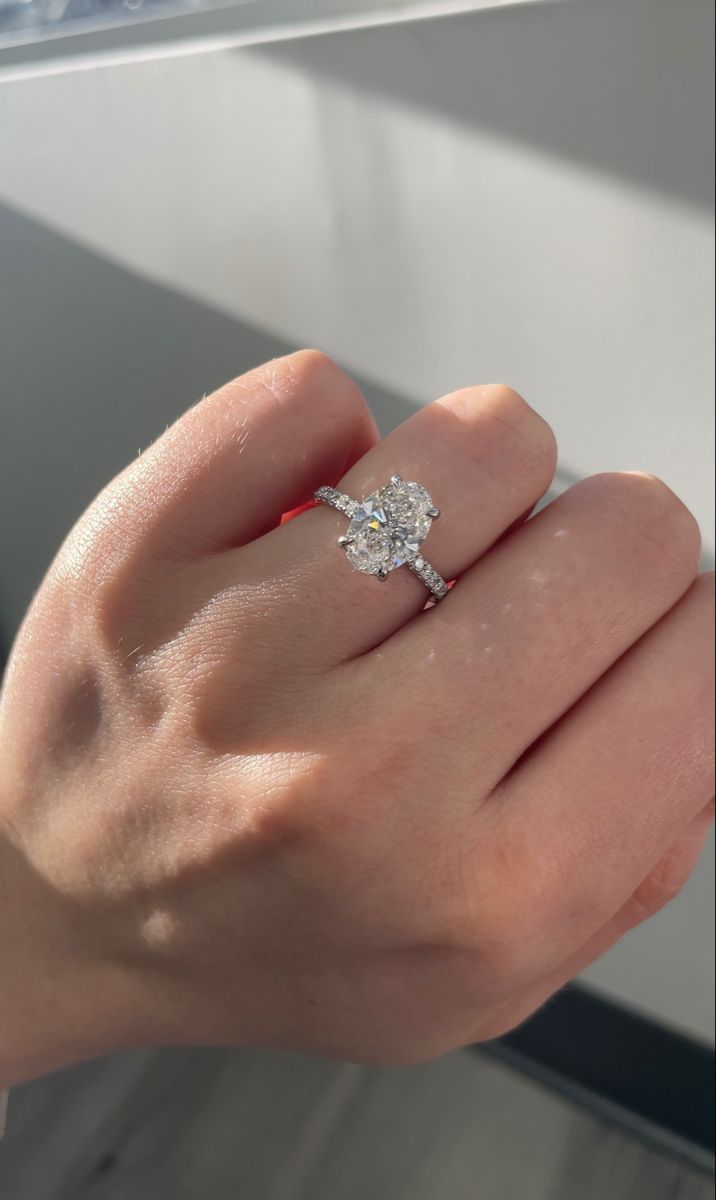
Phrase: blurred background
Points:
(436, 194)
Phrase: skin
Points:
(248, 794)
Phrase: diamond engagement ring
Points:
(387, 530)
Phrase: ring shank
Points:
(427, 574)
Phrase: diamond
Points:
(388, 527)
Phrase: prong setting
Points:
(387, 529)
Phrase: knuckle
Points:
(638, 490)
(319, 374)
(312, 376)
(105, 575)
(661, 887)
(501, 426)
(531, 430)
(112, 611)
(314, 370)
(670, 874)
(310, 364)
(649, 505)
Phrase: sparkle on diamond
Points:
(389, 527)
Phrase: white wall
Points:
(518, 194)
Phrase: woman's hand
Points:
(250, 794)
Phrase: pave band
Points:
(387, 529)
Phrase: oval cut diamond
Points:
(389, 527)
